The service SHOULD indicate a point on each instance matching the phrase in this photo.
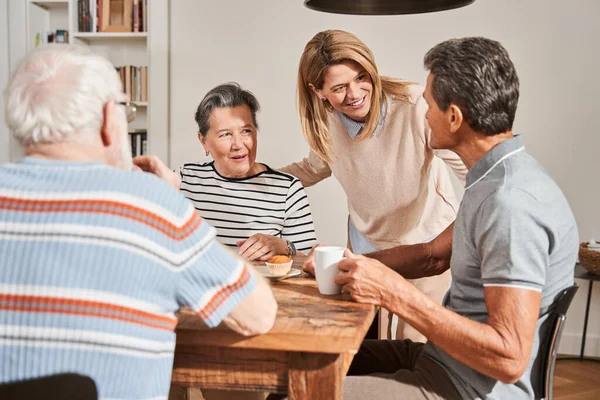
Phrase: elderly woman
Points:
(259, 211)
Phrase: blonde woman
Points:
(371, 133)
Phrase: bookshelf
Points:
(139, 49)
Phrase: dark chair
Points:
(55, 387)
(556, 320)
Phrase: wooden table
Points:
(306, 354)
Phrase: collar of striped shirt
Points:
(354, 127)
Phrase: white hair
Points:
(58, 93)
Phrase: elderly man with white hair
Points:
(96, 258)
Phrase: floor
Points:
(575, 380)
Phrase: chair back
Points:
(55, 387)
(549, 347)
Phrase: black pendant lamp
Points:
(384, 7)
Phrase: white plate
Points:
(264, 271)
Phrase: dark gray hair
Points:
(227, 95)
(477, 75)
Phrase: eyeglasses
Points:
(130, 110)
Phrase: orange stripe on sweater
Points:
(222, 295)
(91, 206)
(92, 202)
(86, 303)
(170, 328)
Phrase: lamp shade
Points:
(384, 7)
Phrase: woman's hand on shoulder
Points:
(260, 247)
(154, 165)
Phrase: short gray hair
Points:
(228, 95)
(477, 75)
(58, 93)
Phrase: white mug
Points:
(326, 268)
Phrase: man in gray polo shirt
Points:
(514, 248)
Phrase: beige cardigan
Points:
(398, 189)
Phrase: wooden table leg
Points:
(178, 393)
(314, 376)
(182, 393)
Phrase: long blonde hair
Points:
(329, 48)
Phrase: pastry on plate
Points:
(279, 265)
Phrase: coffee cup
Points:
(326, 268)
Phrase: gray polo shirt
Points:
(514, 228)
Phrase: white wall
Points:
(258, 43)
(4, 71)
(11, 55)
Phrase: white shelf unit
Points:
(121, 48)
(90, 37)
(44, 17)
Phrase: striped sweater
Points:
(94, 263)
(270, 202)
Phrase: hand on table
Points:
(368, 280)
(261, 247)
(154, 165)
(309, 263)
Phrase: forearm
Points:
(488, 349)
(255, 314)
(311, 170)
(303, 171)
(419, 260)
(154, 165)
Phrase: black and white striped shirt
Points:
(270, 202)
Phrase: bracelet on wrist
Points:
(291, 248)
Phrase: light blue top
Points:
(95, 262)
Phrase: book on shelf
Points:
(139, 142)
(135, 82)
(84, 15)
(145, 16)
(144, 83)
(136, 16)
(99, 16)
(138, 83)
(92, 15)
(87, 15)
(140, 16)
(80, 15)
(144, 142)
(60, 36)
(128, 81)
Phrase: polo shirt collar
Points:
(354, 127)
(495, 156)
